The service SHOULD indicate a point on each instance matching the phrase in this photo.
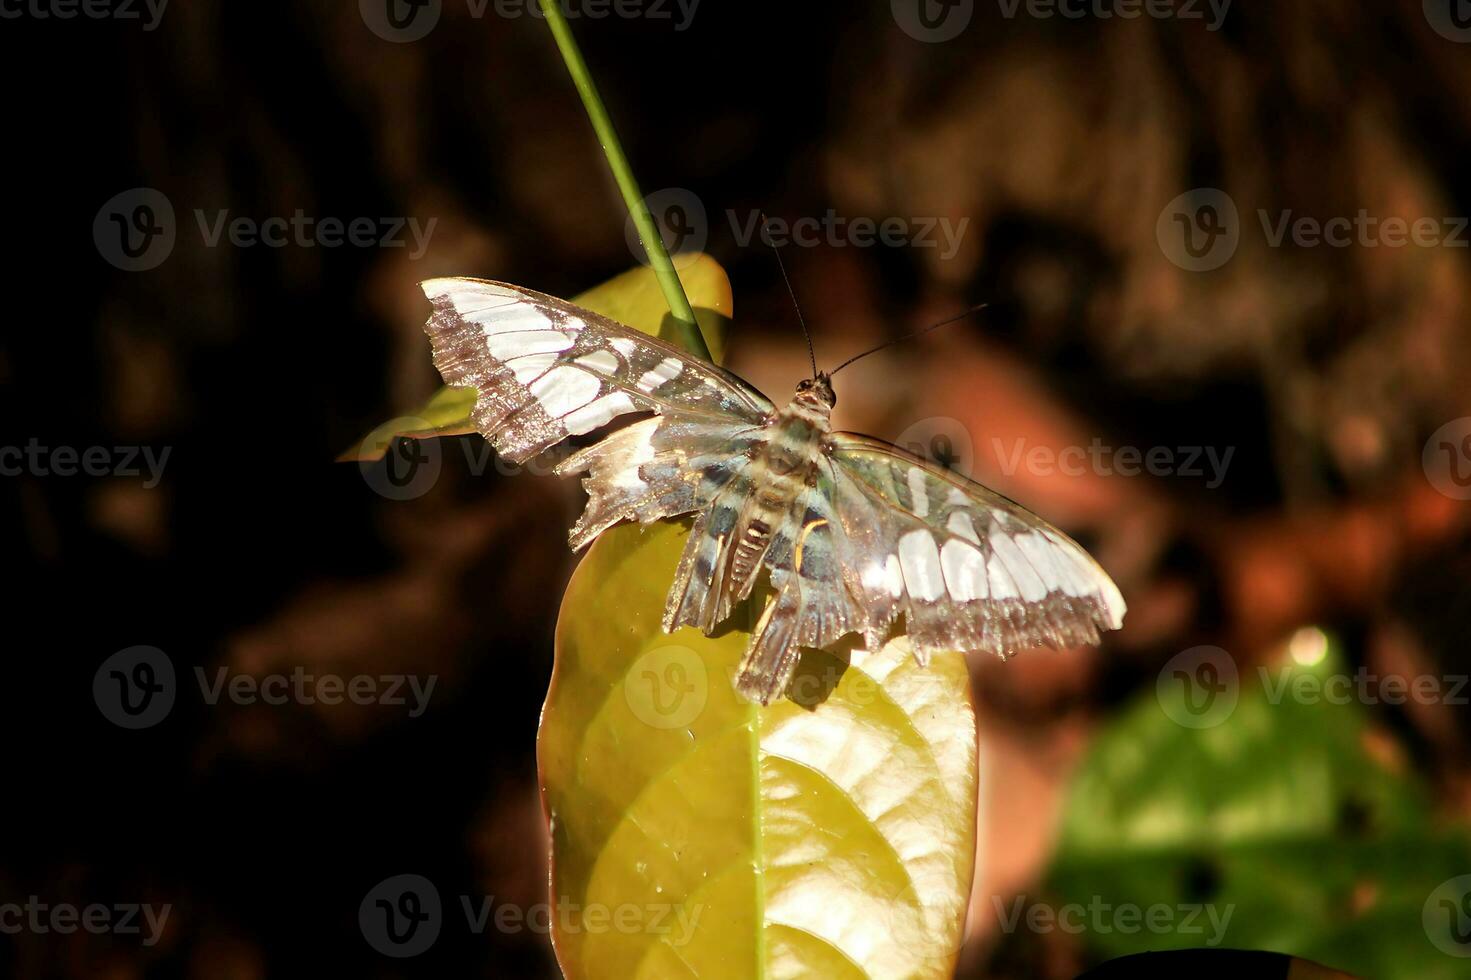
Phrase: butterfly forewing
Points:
(546, 369)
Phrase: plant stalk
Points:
(679, 305)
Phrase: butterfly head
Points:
(817, 393)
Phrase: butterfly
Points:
(851, 532)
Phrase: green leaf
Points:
(831, 835)
(1278, 811)
(696, 835)
(633, 298)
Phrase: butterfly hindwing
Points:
(545, 369)
(970, 569)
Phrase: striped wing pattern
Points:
(968, 568)
(546, 370)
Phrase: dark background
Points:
(1061, 141)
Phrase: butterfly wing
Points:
(546, 369)
(969, 569)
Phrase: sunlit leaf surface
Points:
(695, 835)
(1290, 818)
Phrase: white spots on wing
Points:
(1053, 564)
(506, 346)
(965, 571)
(1021, 572)
(600, 361)
(919, 558)
(919, 493)
(894, 576)
(564, 389)
(873, 576)
(959, 525)
(1086, 578)
(531, 367)
(468, 296)
(665, 371)
(999, 579)
(958, 498)
(598, 413)
(623, 346)
(510, 319)
(574, 323)
(626, 474)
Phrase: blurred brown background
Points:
(1061, 144)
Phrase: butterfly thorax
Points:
(782, 467)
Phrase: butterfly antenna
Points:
(909, 336)
(811, 354)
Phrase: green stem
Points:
(679, 305)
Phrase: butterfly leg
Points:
(772, 656)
